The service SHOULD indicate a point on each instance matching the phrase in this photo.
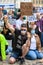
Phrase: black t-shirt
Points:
(19, 40)
(7, 35)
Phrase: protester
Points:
(27, 37)
(19, 21)
(34, 26)
(21, 43)
(35, 46)
(39, 23)
(1, 18)
(4, 11)
(7, 33)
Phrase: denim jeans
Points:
(9, 49)
(34, 54)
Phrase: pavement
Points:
(27, 62)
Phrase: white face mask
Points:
(33, 32)
(23, 32)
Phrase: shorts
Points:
(16, 54)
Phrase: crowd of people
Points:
(27, 38)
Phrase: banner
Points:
(6, 1)
(32, 18)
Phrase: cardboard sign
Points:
(26, 8)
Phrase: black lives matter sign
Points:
(26, 8)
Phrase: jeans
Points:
(42, 39)
(9, 49)
(34, 54)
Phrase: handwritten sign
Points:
(26, 8)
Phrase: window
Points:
(37, 1)
(42, 2)
(33, 1)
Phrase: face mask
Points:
(33, 32)
(23, 32)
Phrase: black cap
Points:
(23, 25)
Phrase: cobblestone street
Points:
(27, 62)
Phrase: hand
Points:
(39, 51)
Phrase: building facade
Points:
(18, 2)
(38, 3)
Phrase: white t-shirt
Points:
(33, 43)
(18, 24)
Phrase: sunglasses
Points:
(23, 29)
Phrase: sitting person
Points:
(20, 45)
(35, 47)
(6, 32)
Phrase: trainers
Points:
(22, 60)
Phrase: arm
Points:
(3, 52)
(25, 48)
(10, 27)
(3, 44)
(28, 40)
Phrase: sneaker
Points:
(22, 60)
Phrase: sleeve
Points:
(3, 52)
(3, 44)
(17, 32)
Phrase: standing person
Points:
(1, 18)
(19, 21)
(39, 23)
(12, 18)
(4, 11)
(21, 43)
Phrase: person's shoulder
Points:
(2, 32)
(1, 35)
(17, 30)
(36, 35)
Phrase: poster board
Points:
(26, 8)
